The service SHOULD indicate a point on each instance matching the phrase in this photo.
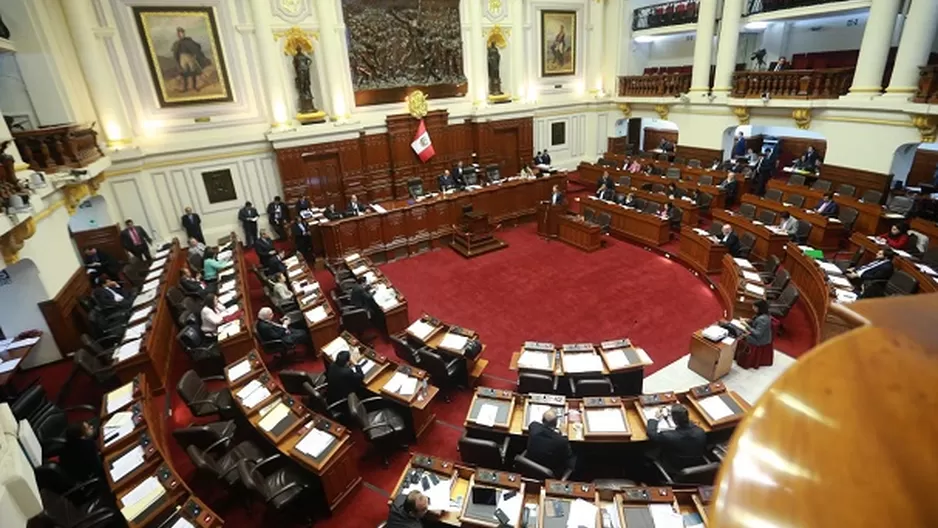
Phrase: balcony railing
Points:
(765, 6)
(927, 85)
(793, 84)
(666, 14)
(657, 85)
(56, 148)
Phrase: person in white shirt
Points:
(212, 315)
(281, 292)
(789, 224)
(556, 197)
(196, 247)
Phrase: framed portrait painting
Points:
(558, 43)
(184, 54)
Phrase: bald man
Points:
(269, 330)
(413, 511)
(548, 447)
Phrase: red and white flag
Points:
(421, 144)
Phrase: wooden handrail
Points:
(656, 85)
(55, 148)
(793, 84)
(927, 85)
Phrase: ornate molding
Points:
(742, 113)
(297, 40)
(75, 193)
(13, 240)
(626, 109)
(927, 126)
(496, 34)
(662, 111)
(802, 117)
(496, 10)
(290, 10)
(417, 104)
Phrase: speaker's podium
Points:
(474, 235)
(548, 219)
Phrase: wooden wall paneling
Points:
(436, 123)
(331, 238)
(376, 161)
(653, 137)
(617, 145)
(705, 155)
(403, 161)
(106, 239)
(352, 174)
(863, 180)
(66, 318)
(292, 179)
(417, 229)
(370, 234)
(794, 147)
(395, 233)
(348, 237)
(923, 167)
(439, 223)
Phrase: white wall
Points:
(905, 156)
(92, 213)
(21, 311)
(14, 101)
(654, 122)
(813, 36)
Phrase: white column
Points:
(703, 46)
(478, 78)
(874, 48)
(338, 82)
(618, 39)
(517, 73)
(271, 55)
(594, 51)
(86, 35)
(917, 33)
(728, 45)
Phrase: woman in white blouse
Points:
(212, 315)
(281, 292)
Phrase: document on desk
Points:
(29, 341)
(225, 273)
(714, 333)
(126, 463)
(750, 276)
(454, 341)
(396, 382)
(511, 507)
(274, 416)
(715, 407)
(665, 423)
(531, 359)
(844, 296)
(536, 414)
(840, 282)
(926, 269)
(420, 329)
(144, 298)
(137, 500)
(611, 513)
(9, 365)
(830, 268)
(315, 443)
(253, 399)
(140, 314)
(150, 285)
(487, 415)
(135, 332)
(120, 397)
(317, 314)
(295, 272)
(182, 522)
(582, 513)
(607, 420)
(127, 350)
(227, 287)
(743, 263)
(335, 346)
(155, 274)
(616, 359)
(756, 290)
(360, 270)
(229, 329)
(157, 264)
(664, 516)
(227, 297)
(292, 261)
(117, 427)
(582, 363)
(353, 257)
(239, 370)
(5, 344)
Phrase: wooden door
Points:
(506, 141)
(106, 238)
(322, 173)
(635, 134)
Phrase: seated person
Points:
(343, 377)
(211, 265)
(527, 172)
(828, 207)
(897, 237)
(716, 164)
(196, 247)
(279, 290)
(800, 164)
(789, 223)
(674, 191)
(446, 181)
(267, 253)
(730, 186)
(665, 145)
(331, 213)
(413, 511)
(548, 447)
(670, 213)
(545, 158)
(811, 158)
(629, 200)
(865, 276)
(99, 263)
(635, 167)
(693, 195)
(730, 240)
(681, 447)
(192, 284)
(538, 158)
(751, 156)
(606, 193)
(355, 207)
(110, 297)
(605, 180)
(268, 330)
(80, 457)
(756, 350)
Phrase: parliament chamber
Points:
(455, 263)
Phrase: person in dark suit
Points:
(556, 197)
(730, 240)
(268, 330)
(811, 158)
(446, 181)
(459, 174)
(267, 253)
(682, 446)
(761, 174)
(413, 511)
(868, 276)
(545, 157)
(606, 193)
(80, 457)
(548, 447)
(110, 297)
(605, 180)
(828, 207)
(331, 213)
(98, 263)
(629, 200)
(782, 65)
(248, 216)
(136, 240)
(278, 214)
(739, 146)
(192, 223)
(303, 204)
(674, 191)
(538, 158)
(343, 377)
(301, 238)
(730, 187)
(355, 207)
(192, 284)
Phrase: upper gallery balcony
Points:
(665, 14)
(829, 83)
(927, 85)
(753, 7)
(655, 85)
(55, 148)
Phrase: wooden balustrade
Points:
(657, 85)
(927, 85)
(667, 14)
(793, 84)
(766, 6)
(55, 148)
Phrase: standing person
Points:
(545, 157)
(762, 172)
(192, 223)
(459, 174)
(136, 240)
(248, 217)
(303, 204)
(278, 215)
(190, 59)
(739, 146)
(302, 239)
(197, 248)
(556, 197)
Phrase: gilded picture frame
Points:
(184, 54)
(558, 43)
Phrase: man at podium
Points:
(556, 197)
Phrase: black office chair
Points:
(852, 262)
(747, 239)
(766, 217)
(662, 157)
(901, 283)
(848, 217)
(702, 474)
(53, 477)
(278, 484)
(675, 223)
(31, 403)
(205, 355)
(415, 188)
(483, 453)
(195, 261)
(381, 426)
(493, 173)
(651, 208)
(693, 163)
(673, 173)
(748, 210)
(176, 297)
(314, 397)
(803, 232)
(404, 350)
(625, 181)
(779, 283)
(222, 464)
(846, 189)
(647, 187)
(900, 205)
(532, 469)
(589, 387)
(639, 203)
(704, 201)
(658, 188)
(678, 161)
(796, 179)
(705, 179)
(293, 380)
(716, 228)
(204, 435)
(781, 306)
(588, 215)
(62, 512)
(604, 220)
(773, 195)
(103, 375)
(871, 196)
(282, 351)
(770, 267)
(95, 347)
(446, 374)
(529, 382)
(357, 321)
(796, 199)
(822, 185)
(202, 401)
(51, 426)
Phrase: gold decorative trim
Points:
(417, 104)
(495, 6)
(20, 166)
(13, 240)
(74, 193)
(742, 113)
(869, 89)
(802, 117)
(662, 111)
(196, 159)
(902, 90)
(297, 40)
(865, 121)
(927, 126)
(496, 34)
(626, 109)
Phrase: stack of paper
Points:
(750, 276)
(126, 463)
(253, 393)
(840, 282)
(274, 416)
(117, 427)
(135, 332)
(534, 360)
(229, 329)
(292, 261)
(29, 341)
(227, 287)
(127, 350)
(153, 275)
(9, 365)
(844, 296)
(830, 268)
(317, 314)
(144, 298)
(5, 344)
(664, 424)
(360, 270)
(606, 420)
(238, 370)
(231, 310)
(120, 397)
(582, 513)
(140, 314)
(137, 500)
(402, 384)
(315, 443)
(487, 415)
(224, 273)
(378, 209)
(150, 286)
(296, 272)
(182, 522)
(353, 257)
(158, 263)
(454, 341)
(582, 363)
(227, 297)
(701, 232)
(664, 516)
(420, 329)
(715, 407)
(439, 493)
(714, 333)
(743, 263)
(335, 346)
(756, 290)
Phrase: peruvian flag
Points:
(421, 144)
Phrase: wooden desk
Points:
(826, 233)
(548, 217)
(442, 345)
(579, 233)
(409, 229)
(19, 353)
(739, 288)
(812, 285)
(926, 227)
(395, 316)
(335, 469)
(700, 252)
(312, 302)
(871, 218)
(711, 360)
(767, 241)
(443, 469)
(631, 224)
(926, 283)
(590, 174)
(240, 344)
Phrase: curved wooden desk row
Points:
(236, 338)
(701, 251)
(608, 357)
(629, 223)
(392, 304)
(826, 232)
(590, 174)
(927, 283)
(607, 419)
(412, 228)
(147, 345)
(768, 242)
(928, 228)
(688, 173)
(449, 340)
(321, 320)
(740, 285)
(384, 377)
(872, 218)
(138, 465)
(314, 442)
(549, 503)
